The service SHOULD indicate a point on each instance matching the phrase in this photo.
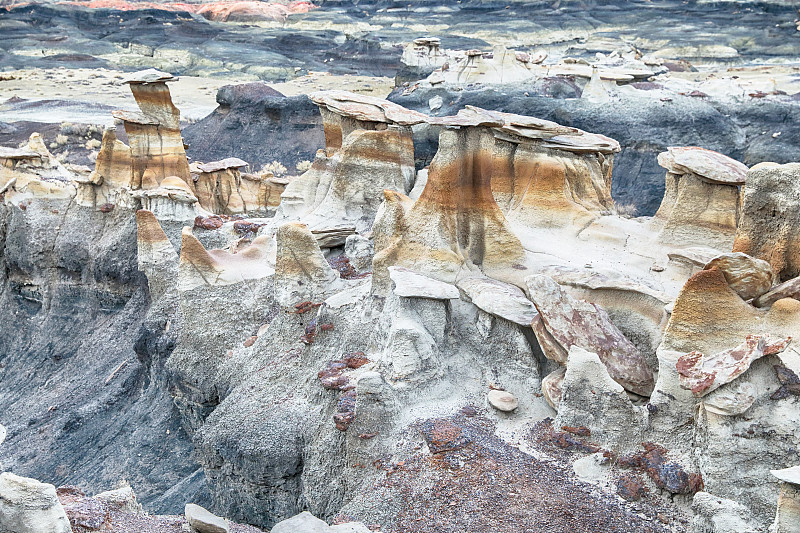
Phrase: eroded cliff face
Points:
(394, 344)
(81, 367)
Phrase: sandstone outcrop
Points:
(212, 268)
(368, 149)
(768, 228)
(701, 201)
(222, 188)
(455, 229)
(301, 271)
(28, 506)
(550, 176)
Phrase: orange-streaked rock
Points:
(201, 267)
(154, 134)
(455, 227)
(301, 271)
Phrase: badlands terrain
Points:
(403, 267)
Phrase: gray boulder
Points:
(204, 521)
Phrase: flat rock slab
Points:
(789, 475)
(702, 374)
(712, 166)
(304, 522)
(410, 284)
(499, 299)
(204, 521)
(228, 162)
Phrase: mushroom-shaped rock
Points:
(154, 134)
(301, 271)
(28, 506)
(748, 276)
(769, 228)
(455, 226)
(787, 517)
(572, 322)
(709, 165)
(369, 150)
(701, 199)
(200, 267)
(344, 112)
(502, 400)
(222, 188)
(590, 398)
(551, 176)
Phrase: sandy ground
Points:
(88, 95)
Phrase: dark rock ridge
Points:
(259, 125)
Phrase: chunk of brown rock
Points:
(443, 435)
(702, 374)
(748, 276)
(572, 322)
(502, 400)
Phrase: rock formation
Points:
(368, 149)
(155, 133)
(701, 200)
(455, 229)
(551, 176)
(787, 518)
(768, 229)
(302, 380)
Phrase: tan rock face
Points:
(572, 322)
(456, 225)
(301, 271)
(709, 165)
(748, 276)
(770, 225)
(697, 210)
(199, 267)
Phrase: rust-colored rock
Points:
(442, 435)
(345, 410)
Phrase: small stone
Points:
(203, 521)
(502, 400)
(304, 522)
(250, 341)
